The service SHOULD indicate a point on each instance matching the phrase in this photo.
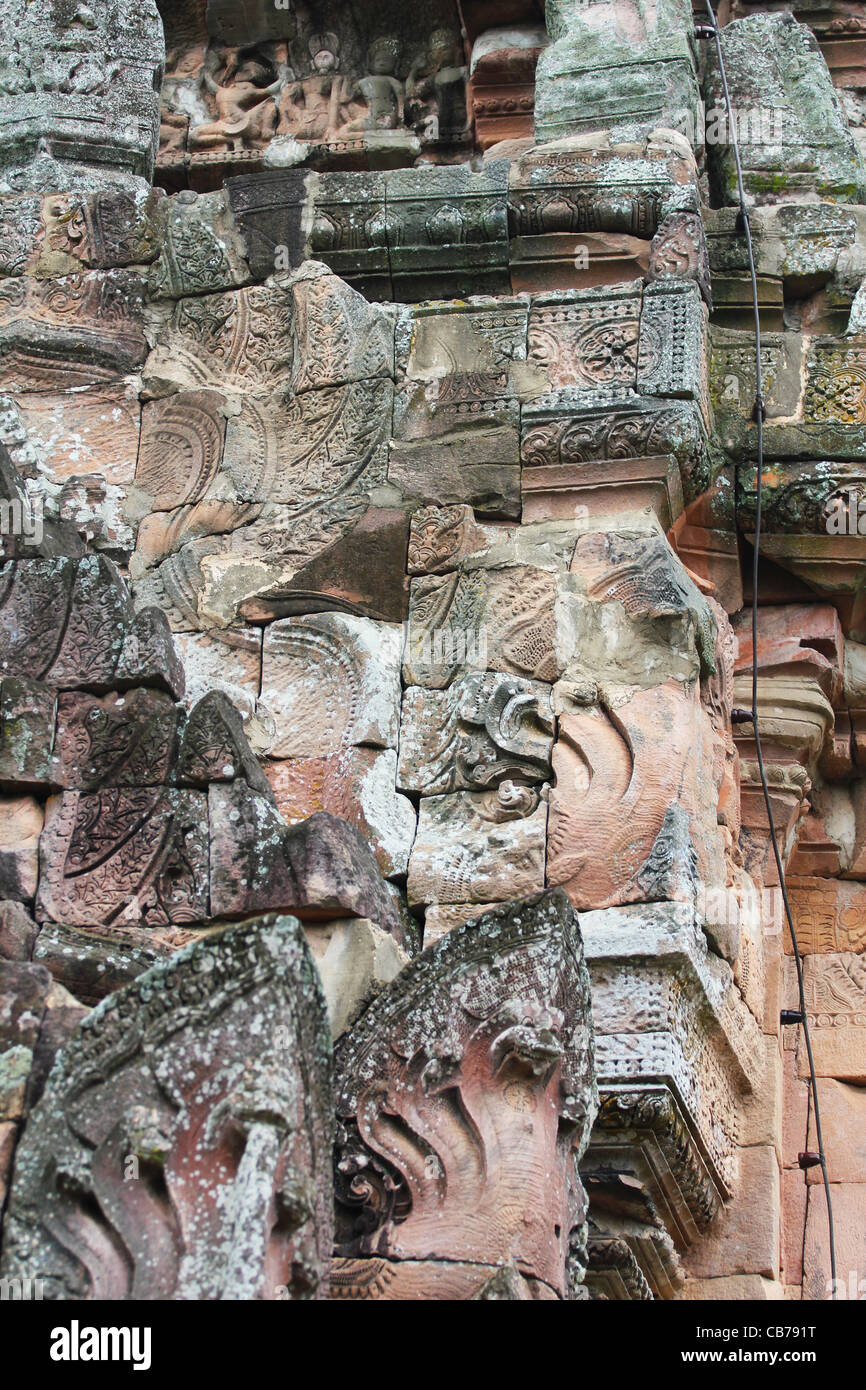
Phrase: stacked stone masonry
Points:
(388, 906)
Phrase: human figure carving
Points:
(182, 68)
(381, 91)
(243, 97)
(436, 88)
(310, 107)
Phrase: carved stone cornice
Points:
(646, 1131)
(676, 1051)
(614, 1273)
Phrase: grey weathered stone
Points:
(191, 1108)
(857, 317)
(356, 960)
(71, 625)
(201, 250)
(499, 617)
(589, 182)
(331, 680)
(479, 846)
(633, 585)
(679, 251)
(79, 92)
(778, 79)
(320, 868)
(612, 66)
(27, 713)
(481, 469)
(641, 1068)
(481, 730)
(447, 231)
(92, 962)
(673, 348)
(18, 932)
(214, 747)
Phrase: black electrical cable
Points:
(746, 230)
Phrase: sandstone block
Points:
(125, 854)
(321, 868)
(478, 846)
(331, 681)
(355, 960)
(481, 730)
(744, 1239)
(20, 827)
(356, 784)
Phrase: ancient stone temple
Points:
(389, 898)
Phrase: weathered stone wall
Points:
(378, 449)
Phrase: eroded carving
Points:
(182, 1148)
(464, 1100)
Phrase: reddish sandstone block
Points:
(115, 740)
(805, 637)
(745, 1288)
(85, 432)
(829, 915)
(563, 491)
(363, 571)
(774, 963)
(837, 758)
(795, 1107)
(181, 447)
(835, 988)
(631, 811)
(857, 869)
(487, 1152)
(20, 827)
(710, 553)
(761, 1121)
(817, 853)
(441, 537)
(849, 1218)
(843, 1125)
(432, 1281)
(502, 83)
(744, 1238)
(794, 1201)
(357, 784)
(125, 854)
